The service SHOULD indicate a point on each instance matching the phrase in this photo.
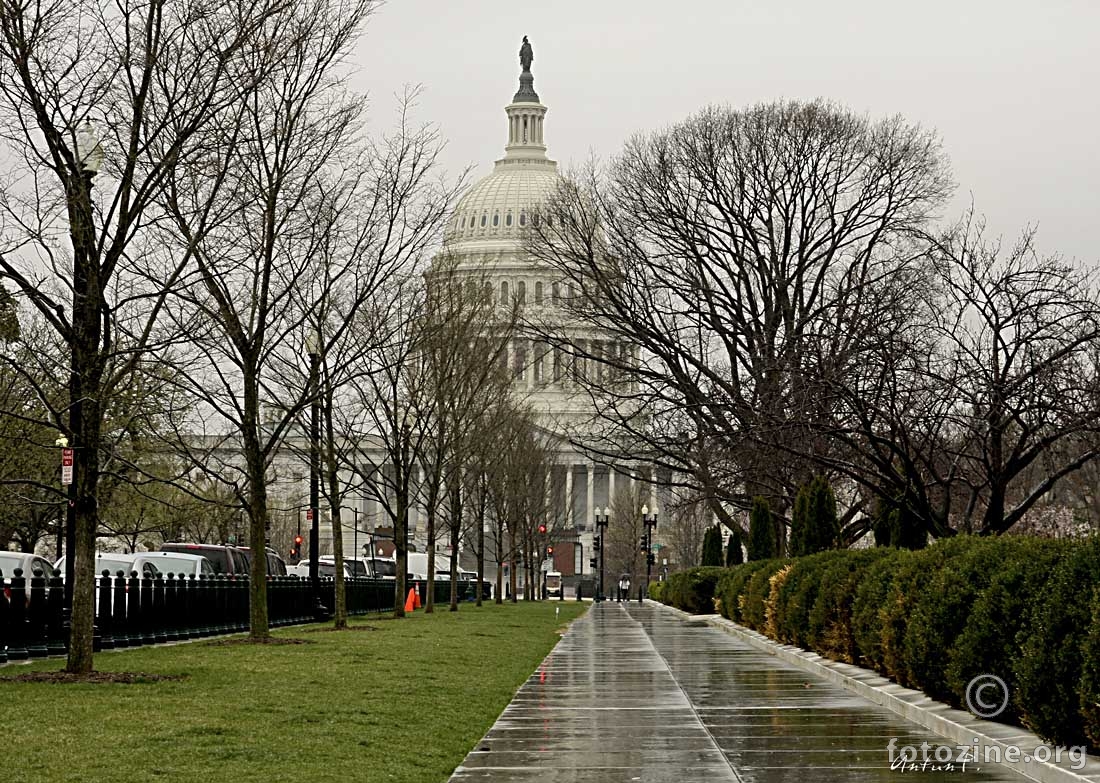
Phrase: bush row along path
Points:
(635, 693)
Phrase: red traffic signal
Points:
(297, 542)
(542, 530)
(549, 550)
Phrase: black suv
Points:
(226, 560)
(276, 566)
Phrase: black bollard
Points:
(36, 616)
(121, 626)
(171, 608)
(104, 615)
(159, 617)
(17, 618)
(135, 610)
(186, 592)
(580, 591)
(201, 601)
(57, 643)
(3, 621)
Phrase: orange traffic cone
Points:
(416, 596)
(412, 601)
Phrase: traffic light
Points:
(542, 530)
(643, 545)
(297, 551)
(549, 551)
(596, 543)
(593, 563)
(651, 558)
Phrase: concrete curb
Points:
(961, 728)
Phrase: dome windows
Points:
(523, 218)
(508, 219)
(496, 220)
(538, 292)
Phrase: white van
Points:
(326, 566)
(417, 565)
(180, 564)
(118, 561)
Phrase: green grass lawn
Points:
(404, 702)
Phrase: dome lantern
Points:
(499, 205)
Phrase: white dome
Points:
(499, 206)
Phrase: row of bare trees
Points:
(190, 214)
(798, 309)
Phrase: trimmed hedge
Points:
(1026, 610)
(692, 590)
(656, 591)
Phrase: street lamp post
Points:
(650, 522)
(601, 530)
(313, 347)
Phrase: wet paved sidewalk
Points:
(634, 693)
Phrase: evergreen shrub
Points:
(757, 591)
(829, 627)
(989, 640)
(732, 586)
(1048, 672)
(692, 590)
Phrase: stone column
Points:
(611, 486)
(591, 499)
(570, 518)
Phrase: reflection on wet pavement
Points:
(634, 693)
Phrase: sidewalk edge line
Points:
(942, 719)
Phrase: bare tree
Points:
(383, 437)
(684, 530)
(466, 336)
(255, 212)
(972, 424)
(725, 262)
(151, 76)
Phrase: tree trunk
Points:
(340, 609)
(257, 512)
(401, 548)
(456, 530)
(499, 598)
(480, 549)
(429, 601)
(86, 364)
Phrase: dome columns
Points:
(525, 131)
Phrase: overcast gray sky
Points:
(1011, 85)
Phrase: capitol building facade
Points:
(483, 242)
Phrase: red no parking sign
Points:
(66, 466)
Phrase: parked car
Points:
(180, 563)
(225, 559)
(382, 567)
(326, 566)
(276, 566)
(114, 562)
(9, 561)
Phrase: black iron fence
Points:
(467, 590)
(132, 611)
